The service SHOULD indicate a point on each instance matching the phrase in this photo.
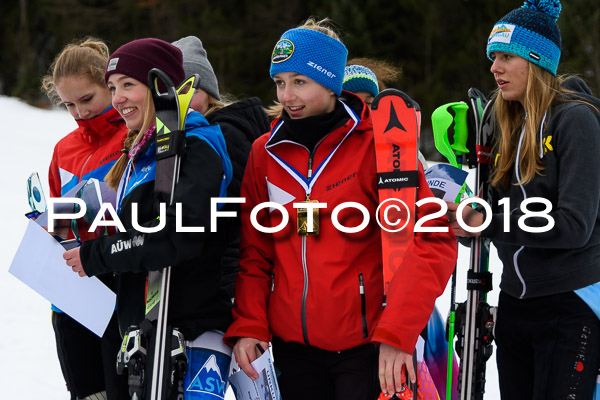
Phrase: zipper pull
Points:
(361, 283)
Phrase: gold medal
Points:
(303, 219)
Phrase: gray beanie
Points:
(195, 61)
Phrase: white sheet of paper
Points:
(39, 264)
(264, 388)
(445, 181)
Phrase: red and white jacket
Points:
(308, 289)
(87, 152)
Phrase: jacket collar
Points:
(358, 118)
(105, 124)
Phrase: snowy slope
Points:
(29, 367)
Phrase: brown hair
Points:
(215, 104)
(324, 25)
(386, 73)
(543, 90)
(87, 57)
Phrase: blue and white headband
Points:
(311, 53)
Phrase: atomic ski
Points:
(396, 123)
(396, 133)
(154, 353)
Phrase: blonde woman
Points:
(76, 80)
(318, 296)
(548, 139)
(199, 307)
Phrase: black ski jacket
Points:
(197, 301)
(567, 256)
(241, 123)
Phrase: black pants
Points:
(88, 363)
(547, 348)
(311, 373)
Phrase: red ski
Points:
(396, 124)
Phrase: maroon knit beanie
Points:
(135, 59)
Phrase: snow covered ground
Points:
(29, 367)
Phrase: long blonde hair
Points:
(86, 57)
(113, 176)
(325, 26)
(133, 137)
(541, 92)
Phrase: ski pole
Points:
(479, 319)
(451, 116)
(442, 121)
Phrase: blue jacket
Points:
(197, 302)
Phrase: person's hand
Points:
(74, 261)
(391, 362)
(60, 230)
(245, 352)
(469, 216)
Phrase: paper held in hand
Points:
(445, 181)
(264, 388)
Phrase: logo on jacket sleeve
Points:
(128, 244)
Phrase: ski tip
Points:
(475, 93)
(156, 74)
(410, 103)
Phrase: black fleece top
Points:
(567, 256)
(241, 123)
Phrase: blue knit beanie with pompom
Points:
(530, 32)
(358, 78)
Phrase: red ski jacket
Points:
(326, 290)
(88, 152)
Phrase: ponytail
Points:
(113, 177)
